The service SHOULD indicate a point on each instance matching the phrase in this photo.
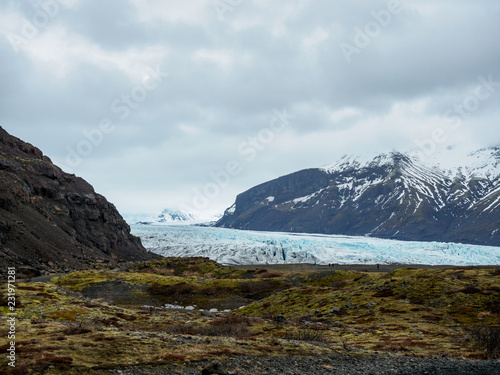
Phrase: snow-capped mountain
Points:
(169, 216)
(450, 197)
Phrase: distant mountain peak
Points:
(170, 216)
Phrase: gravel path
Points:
(337, 364)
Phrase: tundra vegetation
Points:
(93, 321)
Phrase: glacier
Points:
(240, 247)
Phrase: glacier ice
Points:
(231, 246)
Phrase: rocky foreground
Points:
(380, 364)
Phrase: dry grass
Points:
(76, 329)
(255, 288)
(268, 275)
(387, 292)
(393, 345)
(419, 312)
(171, 357)
(229, 326)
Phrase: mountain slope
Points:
(389, 196)
(50, 220)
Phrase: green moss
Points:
(418, 312)
(336, 279)
(197, 266)
(77, 281)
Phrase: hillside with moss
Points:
(100, 320)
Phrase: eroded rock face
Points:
(51, 220)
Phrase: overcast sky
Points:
(162, 103)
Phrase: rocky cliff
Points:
(51, 220)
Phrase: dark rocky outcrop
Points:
(51, 220)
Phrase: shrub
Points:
(495, 272)
(308, 334)
(384, 293)
(232, 320)
(486, 338)
(228, 330)
(470, 289)
(183, 329)
(20, 369)
(76, 329)
(229, 326)
(493, 304)
(391, 345)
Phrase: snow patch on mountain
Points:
(307, 197)
(230, 246)
(458, 162)
(348, 162)
(453, 161)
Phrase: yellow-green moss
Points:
(417, 312)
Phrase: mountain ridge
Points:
(392, 195)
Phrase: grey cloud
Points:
(194, 121)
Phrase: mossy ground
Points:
(418, 312)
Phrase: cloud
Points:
(226, 77)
